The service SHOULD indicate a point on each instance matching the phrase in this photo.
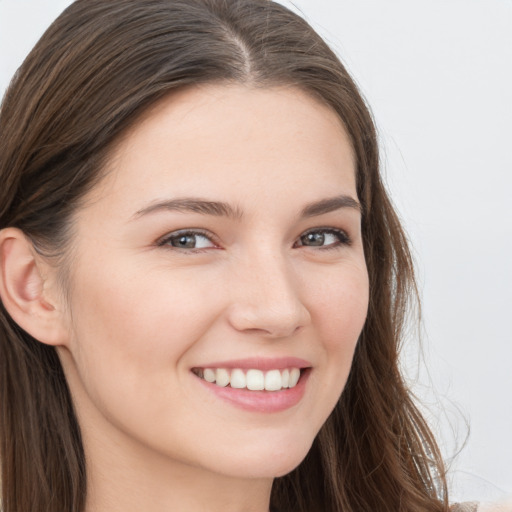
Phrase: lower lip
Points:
(261, 401)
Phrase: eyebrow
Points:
(330, 205)
(203, 206)
(221, 209)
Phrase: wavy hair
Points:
(99, 66)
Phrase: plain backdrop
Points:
(438, 77)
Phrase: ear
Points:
(25, 289)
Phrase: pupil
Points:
(314, 239)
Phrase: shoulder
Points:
(504, 506)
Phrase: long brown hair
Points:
(97, 68)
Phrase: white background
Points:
(438, 76)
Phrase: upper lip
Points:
(260, 363)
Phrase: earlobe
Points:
(22, 289)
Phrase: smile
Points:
(251, 379)
(258, 385)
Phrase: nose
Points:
(266, 299)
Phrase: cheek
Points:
(339, 303)
(134, 329)
(339, 308)
(123, 303)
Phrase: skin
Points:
(141, 314)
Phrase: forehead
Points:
(232, 140)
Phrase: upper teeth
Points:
(255, 380)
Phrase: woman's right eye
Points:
(187, 240)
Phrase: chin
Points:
(270, 461)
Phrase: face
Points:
(221, 252)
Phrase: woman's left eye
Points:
(187, 240)
(325, 238)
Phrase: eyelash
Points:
(342, 239)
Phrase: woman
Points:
(203, 280)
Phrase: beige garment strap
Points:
(464, 507)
